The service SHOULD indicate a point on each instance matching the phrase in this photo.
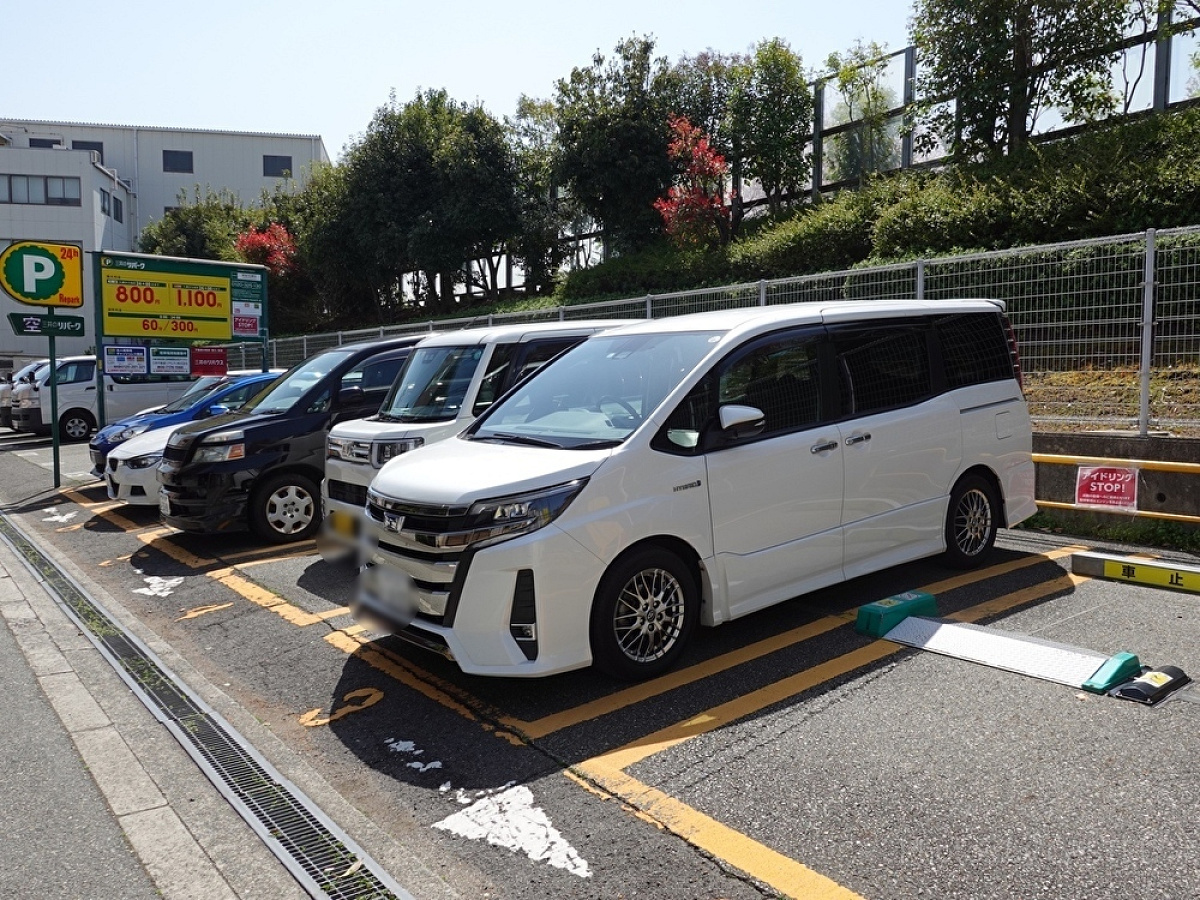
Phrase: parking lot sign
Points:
(41, 273)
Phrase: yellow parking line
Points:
(640, 692)
(784, 874)
(762, 863)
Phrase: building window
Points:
(62, 191)
(118, 209)
(44, 143)
(105, 202)
(40, 190)
(277, 166)
(177, 161)
(97, 146)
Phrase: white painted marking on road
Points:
(159, 587)
(62, 517)
(510, 820)
(408, 747)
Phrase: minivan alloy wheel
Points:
(971, 522)
(645, 609)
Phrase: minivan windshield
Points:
(432, 385)
(282, 395)
(597, 393)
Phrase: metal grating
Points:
(323, 859)
(1006, 650)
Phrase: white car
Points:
(131, 468)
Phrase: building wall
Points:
(127, 163)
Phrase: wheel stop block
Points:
(1117, 669)
(1152, 686)
(878, 618)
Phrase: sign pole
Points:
(54, 435)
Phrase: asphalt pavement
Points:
(98, 800)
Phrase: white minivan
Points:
(78, 412)
(449, 379)
(19, 377)
(695, 469)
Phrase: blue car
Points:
(218, 394)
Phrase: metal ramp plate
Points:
(1000, 649)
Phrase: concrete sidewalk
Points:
(98, 799)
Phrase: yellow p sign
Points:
(43, 274)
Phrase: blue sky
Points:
(307, 67)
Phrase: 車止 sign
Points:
(41, 273)
(1107, 486)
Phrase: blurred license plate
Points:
(343, 524)
(164, 503)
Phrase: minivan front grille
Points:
(345, 492)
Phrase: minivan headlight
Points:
(222, 447)
(386, 451)
(506, 517)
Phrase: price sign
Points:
(161, 297)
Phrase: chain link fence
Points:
(1108, 329)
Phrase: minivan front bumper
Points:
(204, 502)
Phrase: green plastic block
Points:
(878, 618)
(1117, 669)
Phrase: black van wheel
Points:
(285, 508)
(971, 522)
(75, 425)
(645, 609)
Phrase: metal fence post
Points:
(920, 279)
(1147, 335)
(649, 308)
(762, 292)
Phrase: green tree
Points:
(545, 212)
(989, 69)
(429, 187)
(869, 146)
(204, 227)
(613, 134)
(771, 115)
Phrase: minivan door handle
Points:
(821, 448)
(858, 439)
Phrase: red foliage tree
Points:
(694, 211)
(271, 246)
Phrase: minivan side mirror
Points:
(739, 421)
(217, 409)
(351, 396)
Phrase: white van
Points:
(7, 386)
(449, 379)
(696, 469)
(124, 395)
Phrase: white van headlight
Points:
(506, 517)
(386, 451)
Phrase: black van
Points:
(261, 466)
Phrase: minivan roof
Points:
(765, 318)
(495, 333)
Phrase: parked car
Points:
(696, 469)
(20, 376)
(220, 394)
(261, 467)
(78, 411)
(131, 468)
(449, 379)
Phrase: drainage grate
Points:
(323, 859)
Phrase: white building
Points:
(98, 186)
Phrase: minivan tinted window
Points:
(882, 367)
(974, 349)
